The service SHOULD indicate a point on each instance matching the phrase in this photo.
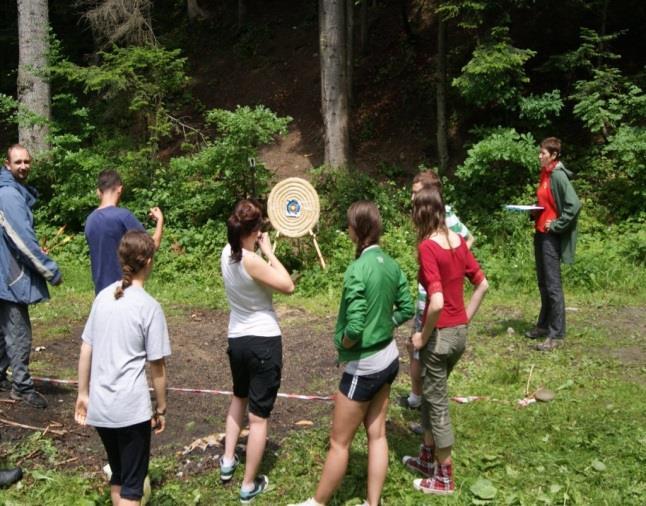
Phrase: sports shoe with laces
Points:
(536, 333)
(226, 472)
(32, 398)
(259, 486)
(405, 402)
(440, 484)
(5, 385)
(424, 463)
(309, 502)
(549, 344)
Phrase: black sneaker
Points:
(33, 398)
(259, 486)
(536, 333)
(10, 476)
(5, 385)
(226, 472)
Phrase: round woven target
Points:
(293, 207)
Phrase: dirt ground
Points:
(198, 360)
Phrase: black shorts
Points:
(128, 450)
(364, 388)
(256, 364)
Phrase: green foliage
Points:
(540, 109)
(134, 85)
(607, 100)
(498, 170)
(591, 53)
(495, 74)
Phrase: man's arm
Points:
(14, 219)
(157, 215)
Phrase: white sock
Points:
(248, 488)
(414, 399)
(228, 462)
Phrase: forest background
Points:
(180, 96)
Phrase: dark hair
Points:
(428, 179)
(429, 215)
(135, 249)
(108, 180)
(245, 219)
(553, 146)
(365, 220)
(15, 146)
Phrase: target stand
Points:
(293, 209)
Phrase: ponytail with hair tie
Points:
(136, 249)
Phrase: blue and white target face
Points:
(293, 208)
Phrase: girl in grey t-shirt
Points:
(126, 329)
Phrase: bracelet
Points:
(160, 413)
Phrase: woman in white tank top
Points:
(255, 349)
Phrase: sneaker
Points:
(10, 476)
(226, 472)
(32, 398)
(536, 333)
(5, 385)
(259, 486)
(549, 344)
(440, 484)
(424, 463)
(310, 502)
(404, 402)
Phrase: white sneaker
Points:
(309, 502)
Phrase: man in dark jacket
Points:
(24, 272)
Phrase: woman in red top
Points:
(444, 262)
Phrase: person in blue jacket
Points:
(24, 272)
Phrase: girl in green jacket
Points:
(375, 300)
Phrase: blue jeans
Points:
(15, 344)
(547, 250)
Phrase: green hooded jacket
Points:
(375, 300)
(568, 205)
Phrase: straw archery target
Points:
(293, 207)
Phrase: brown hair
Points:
(429, 214)
(553, 146)
(135, 249)
(428, 179)
(365, 220)
(15, 146)
(108, 180)
(245, 219)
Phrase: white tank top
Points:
(252, 312)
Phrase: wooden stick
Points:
(28, 456)
(31, 427)
(318, 250)
(73, 459)
(8, 401)
(273, 246)
(529, 379)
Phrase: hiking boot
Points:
(424, 463)
(226, 472)
(259, 486)
(536, 333)
(10, 476)
(405, 402)
(5, 385)
(549, 344)
(32, 398)
(440, 484)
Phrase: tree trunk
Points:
(194, 11)
(33, 86)
(334, 86)
(242, 13)
(442, 141)
(349, 44)
(363, 26)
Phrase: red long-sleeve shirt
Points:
(545, 198)
(443, 270)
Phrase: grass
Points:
(585, 447)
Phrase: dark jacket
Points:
(24, 268)
(568, 205)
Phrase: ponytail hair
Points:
(365, 220)
(245, 219)
(135, 250)
(429, 215)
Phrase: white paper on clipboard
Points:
(522, 208)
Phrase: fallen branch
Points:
(73, 459)
(529, 379)
(58, 432)
(8, 401)
(28, 456)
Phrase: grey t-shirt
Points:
(123, 334)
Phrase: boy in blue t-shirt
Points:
(107, 224)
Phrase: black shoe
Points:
(33, 398)
(10, 476)
(536, 333)
(259, 486)
(5, 385)
(549, 344)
